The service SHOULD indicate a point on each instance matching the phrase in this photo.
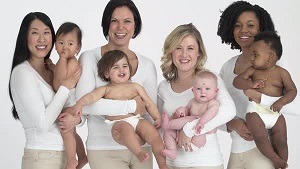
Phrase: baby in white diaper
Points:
(264, 76)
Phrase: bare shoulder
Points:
(214, 102)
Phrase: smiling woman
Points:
(158, 18)
(121, 22)
(34, 101)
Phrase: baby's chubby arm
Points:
(150, 105)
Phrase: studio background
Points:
(159, 19)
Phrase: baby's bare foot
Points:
(169, 153)
(280, 163)
(71, 163)
(143, 157)
(82, 162)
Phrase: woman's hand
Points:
(49, 65)
(71, 81)
(67, 120)
(183, 140)
(240, 127)
(140, 106)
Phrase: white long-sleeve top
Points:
(38, 107)
(99, 133)
(210, 154)
(238, 144)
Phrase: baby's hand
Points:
(258, 84)
(77, 110)
(157, 123)
(276, 106)
(198, 127)
(64, 54)
(49, 65)
(180, 112)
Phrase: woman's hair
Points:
(107, 62)
(22, 52)
(109, 9)
(69, 27)
(172, 41)
(230, 15)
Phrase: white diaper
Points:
(133, 120)
(268, 116)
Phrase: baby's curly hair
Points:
(229, 17)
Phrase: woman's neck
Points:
(110, 47)
(243, 61)
(37, 64)
(183, 82)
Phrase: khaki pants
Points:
(117, 159)
(252, 159)
(208, 167)
(43, 159)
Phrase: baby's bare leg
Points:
(123, 133)
(176, 124)
(279, 138)
(80, 150)
(149, 133)
(260, 135)
(170, 143)
(70, 146)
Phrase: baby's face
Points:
(67, 45)
(261, 53)
(205, 89)
(120, 72)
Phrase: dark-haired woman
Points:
(121, 22)
(35, 103)
(238, 25)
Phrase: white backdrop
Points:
(159, 19)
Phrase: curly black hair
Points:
(232, 12)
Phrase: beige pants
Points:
(117, 159)
(43, 159)
(208, 167)
(252, 159)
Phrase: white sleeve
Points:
(226, 112)
(150, 85)
(87, 83)
(28, 94)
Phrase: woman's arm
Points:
(226, 112)
(28, 94)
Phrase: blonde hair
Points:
(172, 41)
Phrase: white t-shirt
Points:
(99, 133)
(38, 107)
(209, 155)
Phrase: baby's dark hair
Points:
(272, 39)
(68, 27)
(107, 62)
(230, 15)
